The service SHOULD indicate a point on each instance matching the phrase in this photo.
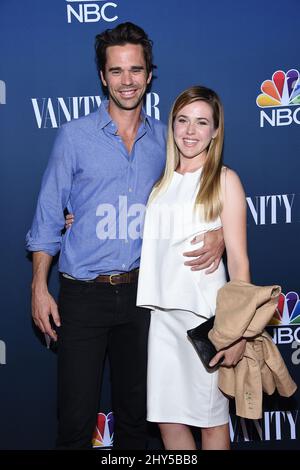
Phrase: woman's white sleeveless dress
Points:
(180, 389)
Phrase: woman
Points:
(196, 194)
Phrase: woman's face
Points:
(193, 130)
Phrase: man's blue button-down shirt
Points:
(91, 173)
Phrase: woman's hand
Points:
(232, 355)
(69, 219)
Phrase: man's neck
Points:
(127, 121)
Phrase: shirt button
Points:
(130, 190)
(123, 265)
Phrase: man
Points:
(101, 164)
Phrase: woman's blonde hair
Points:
(208, 196)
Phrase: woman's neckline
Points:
(189, 172)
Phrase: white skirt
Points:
(180, 389)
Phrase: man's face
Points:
(125, 75)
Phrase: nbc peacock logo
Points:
(280, 93)
(104, 431)
(282, 90)
(287, 311)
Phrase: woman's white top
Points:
(170, 224)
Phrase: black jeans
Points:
(98, 318)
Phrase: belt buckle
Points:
(111, 279)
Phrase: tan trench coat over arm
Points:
(243, 310)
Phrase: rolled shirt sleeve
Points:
(45, 232)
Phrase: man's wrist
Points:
(39, 285)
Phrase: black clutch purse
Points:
(202, 344)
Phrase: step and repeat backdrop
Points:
(247, 51)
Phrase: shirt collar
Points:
(146, 119)
(104, 118)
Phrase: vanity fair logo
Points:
(87, 11)
(2, 353)
(278, 98)
(53, 112)
(2, 92)
(274, 425)
(271, 209)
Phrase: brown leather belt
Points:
(120, 278)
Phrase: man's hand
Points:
(232, 355)
(44, 306)
(210, 254)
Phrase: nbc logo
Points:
(287, 314)
(104, 431)
(282, 91)
(288, 310)
(89, 11)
